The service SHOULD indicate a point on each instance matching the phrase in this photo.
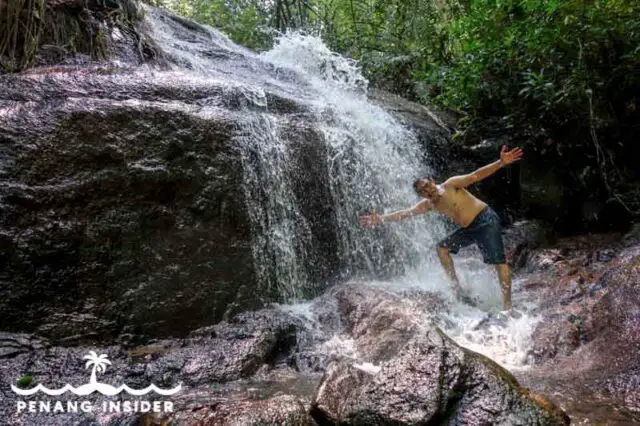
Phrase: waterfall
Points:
(370, 158)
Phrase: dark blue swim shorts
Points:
(484, 230)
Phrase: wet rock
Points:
(421, 375)
(313, 353)
(543, 260)
(285, 410)
(229, 350)
(521, 238)
(379, 322)
(121, 212)
(556, 335)
(604, 255)
(326, 335)
(12, 345)
(124, 202)
(432, 131)
(571, 283)
(632, 237)
(615, 312)
(223, 353)
(431, 379)
(625, 388)
(589, 336)
(501, 319)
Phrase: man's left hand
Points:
(508, 157)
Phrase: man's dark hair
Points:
(417, 181)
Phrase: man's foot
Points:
(509, 314)
(500, 319)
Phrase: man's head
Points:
(425, 187)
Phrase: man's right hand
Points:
(371, 220)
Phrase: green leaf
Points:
(25, 381)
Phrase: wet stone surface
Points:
(586, 345)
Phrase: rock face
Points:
(430, 382)
(586, 345)
(423, 376)
(132, 203)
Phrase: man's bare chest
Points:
(451, 202)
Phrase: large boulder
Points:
(124, 203)
(422, 375)
(376, 320)
(432, 380)
(118, 210)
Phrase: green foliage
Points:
(25, 381)
(251, 23)
(572, 68)
(244, 22)
(545, 53)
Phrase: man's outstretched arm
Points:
(506, 158)
(376, 219)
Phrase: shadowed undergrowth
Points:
(38, 32)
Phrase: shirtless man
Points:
(478, 222)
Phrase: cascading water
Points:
(370, 157)
(280, 230)
(371, 161)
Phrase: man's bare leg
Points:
(504, 276)
(447, 264)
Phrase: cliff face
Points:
(123, 210)
(177, 182)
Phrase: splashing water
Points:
(309, 56)
(507, 342)
(504, 338)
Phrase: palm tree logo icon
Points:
(98, 364)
